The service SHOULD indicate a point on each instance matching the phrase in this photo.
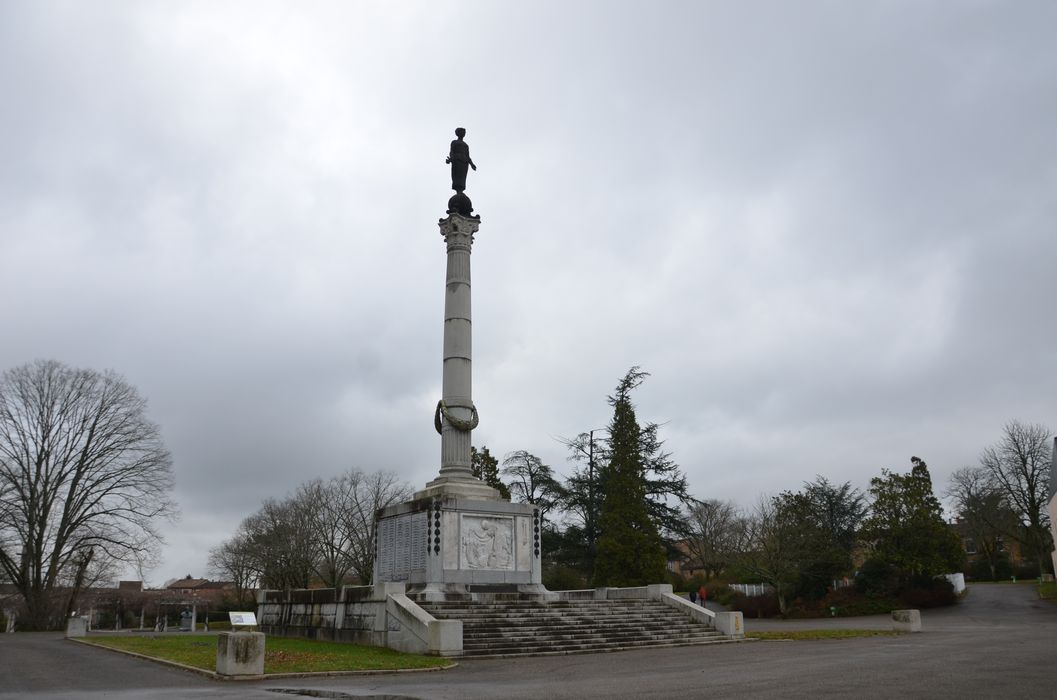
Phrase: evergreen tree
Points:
(836, 509)
(486, 468)
(666, 495)
(630, 550)
(906, 527)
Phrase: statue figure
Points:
(459, 157)
(478, 544)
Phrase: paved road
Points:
(1000, 642)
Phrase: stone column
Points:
(456, 415)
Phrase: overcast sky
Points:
(826, 229)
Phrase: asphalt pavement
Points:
(1000, 642)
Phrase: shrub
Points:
(877, 578)
(721, 593)
(928, 593)
(851, 602)
(754, 606)
(563, 578)
(979, 570)
(804, 608)
(1027, 570)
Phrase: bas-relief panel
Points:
(487, 542)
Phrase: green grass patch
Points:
(1048, 590)
(800, 635)
(281, 655)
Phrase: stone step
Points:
(472, 633)
(590, 638)
(562, 616)
(469, 631)
(519, 628)
(559, 605)
(492, 609)
(579, 624)
(502, 652)
(499, 613)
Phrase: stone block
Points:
(958, 581)
(76, 627)
(656, 591)
(445, 637)
(731, 624)
(240, 654)
(906, 620)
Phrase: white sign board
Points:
(243, 619)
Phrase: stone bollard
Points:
(906, 620)
(240, 654)
(76, 627)
(731, 624)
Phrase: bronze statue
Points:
(459, 157)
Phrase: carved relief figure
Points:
(486, 544)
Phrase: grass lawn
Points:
(282, 654)
(1048, 590)
(821, 634)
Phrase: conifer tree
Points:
(486, 468)
(630, 550)
(906, 529)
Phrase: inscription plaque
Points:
(401, 546)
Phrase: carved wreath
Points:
(465, 425)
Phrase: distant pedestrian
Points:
(693, 596)
(702, 596)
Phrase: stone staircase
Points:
(533, 628)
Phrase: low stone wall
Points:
(379, 615)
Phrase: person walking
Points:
(693, 596)
(702, 596)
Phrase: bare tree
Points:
(279, 546)
(717, 535)
(983, 511)
(341, 517)
(366, 495)
(83, 476)
(532, 480)
(231, 560)
(1018, 464)
(324, 505)
(772, 549)
(325, 531)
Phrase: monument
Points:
(457, 537)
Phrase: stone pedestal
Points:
(448, 546)
(240, 654)
(76, 627)
(906, 620)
